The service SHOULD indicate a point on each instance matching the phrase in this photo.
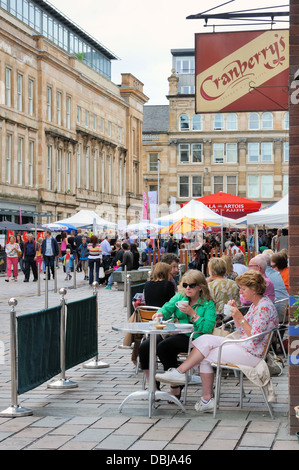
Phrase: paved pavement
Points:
(87, 417)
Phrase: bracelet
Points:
(194, 316)
(243, 321)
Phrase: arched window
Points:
(184, 122)
(197, 122)
(232, 122)
(286, 121)
(267, 121)
(254, 121)
(218, 122)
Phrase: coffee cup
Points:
(226, 311)
(181, 303)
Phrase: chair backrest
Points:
(285, 302)
(146, 312)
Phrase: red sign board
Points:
(242, 71)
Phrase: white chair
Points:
(284, 323)
(222, 366)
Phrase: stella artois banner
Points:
(242, 71)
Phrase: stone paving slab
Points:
(88, 417)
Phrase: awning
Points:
(228, 204)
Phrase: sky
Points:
(141, 33)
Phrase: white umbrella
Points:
(55, 227)
(143, 226)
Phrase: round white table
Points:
(151, 331)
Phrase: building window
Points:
(266, 152)
(31, 97)
(94, 122)
(285, 184)
(79, 166)
(184, 123)
(153, 162)
(59, 96)
(49, 168)
(187, 90)
(196, 186)
(254, 121)
(197, 122)
(68, 112)
(196, 153)
(20, 92)
(260, 186)
(49, 103)
(218, 153)
(286, 151)
(286, 121)
(95, 170)
(8, 87)
(31, 162)
(185, 65)
(59, 155)
(190, 153)
(78, 115)
(184, 186)
(218, 182)
(8, 157)
(231, 185)
(102, 125)
(232, 153)
(87, 162)
(20, 161)
(86, 118)
(267, 121)
(232, 122)
(110, 134)
(225, 184)
(218, 122)
(253, 152)
(68, 172)
(103, 172)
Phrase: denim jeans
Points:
(94, 264)
(110, 280)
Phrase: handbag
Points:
(275, 364)
(101, 273)
(221, 331)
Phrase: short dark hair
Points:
(125, 246)
(169, 258)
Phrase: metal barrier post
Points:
(62, 383)
(38, 281)
(128, 283)
(125, 286)
(47, 288)
(14, 410)
(95, 363)
(75, 274)
(55, 278)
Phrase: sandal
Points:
(179, 394)
(6, 280)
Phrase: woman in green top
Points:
(198, 310)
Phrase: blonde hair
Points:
(253, 280)
(160, 272)
(193, 276)
(217, 266)
(229, 264)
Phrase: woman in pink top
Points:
(12, 259)
(261, 316)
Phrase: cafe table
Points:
(151, 331)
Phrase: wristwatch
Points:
(243, 321)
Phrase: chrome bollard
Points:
(95, 363)
(63, 382)
(14, 410)
(129, 300)
(47, 288)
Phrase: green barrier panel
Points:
(136, 289)
(38, 348)
(81, 331)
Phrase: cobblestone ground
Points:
(87, 417)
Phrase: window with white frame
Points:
(185, 65)
(286, 151)
(78, 114)
(31, 162)
(95, 170)
(58, 107)
(68, 171)
(20, 160)
(153, 161)
(225, 183)
(285, 184)
(232, 153)
(68, 112)
(8, 157)
(94, 122)
(8, 90)
(187, 90)
(190, 153)
(218, 153)
(87, 167)
(59, 156)
(253, 152)
(49, 168)
(79, 166)
(196, 190)
(286, 121)
(49, 103)
(254, 121)
(267, 120)
(103, 172)
(260, 186)
(266, 152)
(20, 91)
(197, 122)
(31, 97)
(218, 122)
(183, 186)
(225, 153)
(184, 122)
(231, 122)
(231, 185)
(218, 183)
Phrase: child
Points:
(83, 253)
(68, 262)
(38, 255)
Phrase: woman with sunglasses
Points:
(199, 309)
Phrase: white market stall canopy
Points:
(86, 218)
(274, 216)
(196, 210)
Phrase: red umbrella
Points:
(229, 205)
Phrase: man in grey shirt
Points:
(279, 287)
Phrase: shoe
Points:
(178, 396)
(15, 279)
(205, 407)
(108, 287)
(6, 280)
(172, 376)
(66, 278)
(34, 280)
(70, 277)
(25, 280)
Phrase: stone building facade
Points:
(70, 138)
(244, 154)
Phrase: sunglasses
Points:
(273, 265)
(185, 285)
